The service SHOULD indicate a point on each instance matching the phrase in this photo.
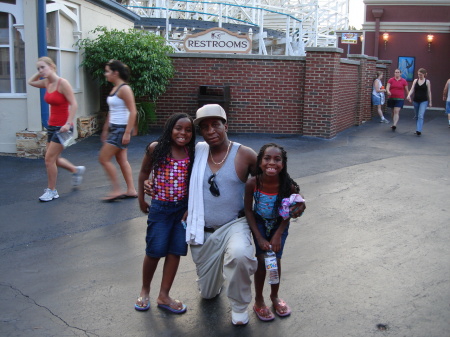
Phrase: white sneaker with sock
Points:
(49, 195)
(239, 318)
(77, 177)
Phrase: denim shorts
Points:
(260, 223)
(51, 133)
(376, 100)
(395, 103)
(165, 233)
(447, 107)
(115, 135)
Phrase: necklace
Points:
(226, 155)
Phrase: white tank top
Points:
(118, 111)
(374, 91)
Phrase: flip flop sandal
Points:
(142, 300)
(171, 309)
(262, 313)
(126, 196)
(279, 308)
(111, 199)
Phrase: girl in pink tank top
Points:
(169, 160)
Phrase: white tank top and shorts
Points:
(118, 119)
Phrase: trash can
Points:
(214, 94)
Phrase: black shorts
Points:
(51, 133)
(395, 103)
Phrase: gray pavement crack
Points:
(87, 333)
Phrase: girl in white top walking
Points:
(378, 96)
(117, 130)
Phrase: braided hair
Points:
(164, 147)
(285, 180)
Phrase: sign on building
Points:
(349, 38)
(218, 40)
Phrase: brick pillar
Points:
(367, 74)
(321, 90)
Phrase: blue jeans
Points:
(165, 233)
(419, 109)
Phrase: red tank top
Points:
(59, 107)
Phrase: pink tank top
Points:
(171, 180)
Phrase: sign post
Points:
(349, 38)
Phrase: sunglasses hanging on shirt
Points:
(213, 188)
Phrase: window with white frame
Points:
(62, 34)
(12, 56)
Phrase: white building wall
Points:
(22, 111)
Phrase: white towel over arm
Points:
(195, 232)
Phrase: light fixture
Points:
(385, 39)
(361, 38)
(429, 39)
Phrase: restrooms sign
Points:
(217, 40)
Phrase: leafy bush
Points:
(144, 53)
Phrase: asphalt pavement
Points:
(370, 256)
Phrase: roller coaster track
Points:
(276, 26)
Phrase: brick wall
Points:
(318, 95)
(321, 92)
(266, 93)
(348, 99)
(366, 74)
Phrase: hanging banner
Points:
(349, 38)
(218, 40)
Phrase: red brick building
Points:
(407, 24)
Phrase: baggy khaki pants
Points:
(227, 254)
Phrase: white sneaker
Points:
(239, 318)
(49, 195)
(77, 178)
(385, 121)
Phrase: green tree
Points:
(146, 55)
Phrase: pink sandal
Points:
(264, 313)
(281, 308)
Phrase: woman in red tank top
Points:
(63, 106)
